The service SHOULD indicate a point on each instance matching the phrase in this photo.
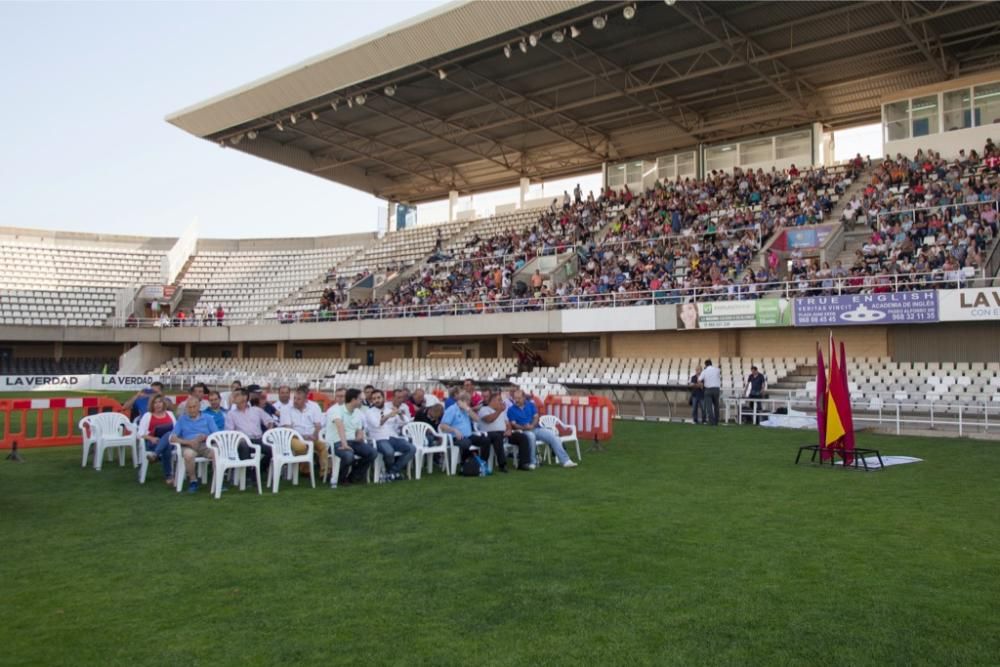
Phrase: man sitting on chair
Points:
(190, 432)
(384, 424)
(457, 420)
(493, 420)
(523, 416)
(305, 418)
(251, 421)
(345, 431)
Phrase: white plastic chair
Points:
(280, 440)
(88, 432)
(417, 433)
(553, 423)
(227, 457)
(109, 430)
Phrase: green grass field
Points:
(679, 545)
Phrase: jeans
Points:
(165, 452)
(698, 406)
(354, 462)
(549, 438)
(389, 448)
(712, 406)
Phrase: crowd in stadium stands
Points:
(927, 216)
(358, 426)
(665, 244)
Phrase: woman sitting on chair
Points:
(154, 430)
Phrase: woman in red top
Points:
(154, 431)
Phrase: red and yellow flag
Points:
(833, 406)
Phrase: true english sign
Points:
(883, 308)
(20, 383)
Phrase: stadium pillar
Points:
(57, 350)
(525, 184)
(187, 350)
(452, 203)
(605, 346)
(239, 350)
(500, 337)
(343, 349)
(390, 224)
(279, 351)
(415, 348)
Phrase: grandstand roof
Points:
(675, 75)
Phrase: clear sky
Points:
(85, 88)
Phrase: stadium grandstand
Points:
(719, 184)
(724, 232)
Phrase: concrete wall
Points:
(145, 356)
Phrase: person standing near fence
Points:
(711, 379)
(697, 398)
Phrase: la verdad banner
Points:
(21, 383)
(974, 304)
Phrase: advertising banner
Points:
(19, 383)
(977, 304)
(735, 314)
(848, 309)
(803, 238)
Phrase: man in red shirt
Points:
(219, 314)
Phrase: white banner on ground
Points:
(976, 304)
(20, 383)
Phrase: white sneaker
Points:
(570, 464)
(532, 466)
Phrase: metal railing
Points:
(970, 416)
(729, 292)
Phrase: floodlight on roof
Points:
(574, 32)
(442, 74)
(293, 118)
(333, 105)
(389, 90)
(558, 36)
(629, 12)
(533, 38)
(222, 143)
(235, 139)
(599, 22)
(523, 45)
(360, 99)
(350, 103)
(670, 3)
(314, 115)
(251, 135)
(281, 128)
(506, 50)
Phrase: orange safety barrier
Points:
(47, 422)
(593, 416)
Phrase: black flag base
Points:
(14, 455)
(859, 457)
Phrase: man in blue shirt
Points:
(215, 411)
(523, 416)
(457, 421)
(190, 432)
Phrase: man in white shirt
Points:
(711, 379)
(284, 402)
(383, 424)
(493, 421)
(306, 419)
